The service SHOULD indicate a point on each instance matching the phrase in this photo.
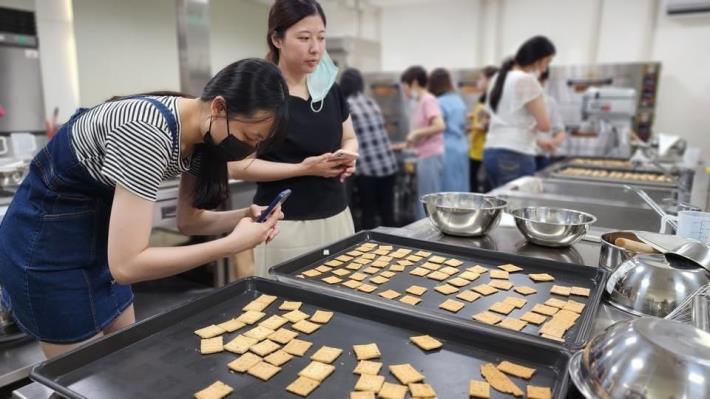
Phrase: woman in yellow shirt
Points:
(478, 126)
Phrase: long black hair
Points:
(533, 50)
(283, 15)
(489, 72)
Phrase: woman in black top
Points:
(319, 124)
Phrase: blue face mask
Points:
(321, 80)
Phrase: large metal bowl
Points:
(612, 255)
(644, 358)
(552, 227)
(650, 285)
(463, 214)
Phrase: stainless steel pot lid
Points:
(692, 250)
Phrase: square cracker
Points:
(211, 345)
(540, 277)
(499, 274)
(516, 370)
(302, 386)
(231, 325)
(371, 270)
(470, 276)
(379, 280)
(344, 258)
(510, 268)
(366, 351)
(354, 253)
(539, 392)
(362, 395)
(410, 300)
(414, 258)
(389, 294)
(452, 305)
(278, 358)
(259, 332)
(416, 290)
(367, 288)
(317, 371)
(324, 268)
(321, 316)
(468, 296)
(545, 310)
(525, 290)
(533, 318)
(404, 263)
(515, 301)
(341, 272)
(369, 383)
(450, 271)
(487, 317)
(263, 371)
(485, 289)
(267, 299)
(479, 389)
(265, 347)
(396, 268)
(210, 331)
(478, 269)
(388, 274)
(405, 373)
(326, 354)
(392, 391)
(217, 390)
(306, 326)
(255, 306)
(379, 264)
(297, 347)
(446, 289)
(499, 381)
(354, 266)
(555, 303)
(295, 316)
(501, 284)
(426, 342)
(250, 317)
(332, 280)
(367, 367)
(574, 306)
(370, 256)
(244, 362)
(312, 273)
(579, 291)
(458, 282)
(419, 272)
(359, 276)
(283, 336)
(274, 322)
(560, 290)
(352, 284)
(422, 391)
(333, 263)
(437, 259)
(502, 307)
(431, 266)
(453, 262)
(240, 344)
(438, 276)
(511, 323)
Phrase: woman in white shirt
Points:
(517, 107)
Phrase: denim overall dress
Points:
(54, 246)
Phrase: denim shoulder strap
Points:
(169, 117)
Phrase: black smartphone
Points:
(276, 202)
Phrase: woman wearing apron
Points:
(76, 234)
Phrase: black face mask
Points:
(231, 148)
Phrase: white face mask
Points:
(321, 80)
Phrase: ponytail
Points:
(497, 91)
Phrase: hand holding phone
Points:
(274, 203)
(346, 155)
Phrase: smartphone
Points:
(276, 202)
(346, 155)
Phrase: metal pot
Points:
(611, 255)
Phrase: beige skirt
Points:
(297, 237)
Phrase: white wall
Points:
(238, 30)
(125, 47)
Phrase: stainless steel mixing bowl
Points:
(552, 227)
(463, 214)
(650, 285)
(647, 358)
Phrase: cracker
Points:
(397, 268)
(297, 347)
(240, 344)
(555, 303)
(392, 391)
(324, 269)
(560, 290)
(283, 336)
(487, 317)
(404, 263)
(362, 395)
(450, 271)
(478, 269)
(414, 258)
(544, 309)
(367, 367)
(388, 274)
(410, 300)
(211, 345)
(398, 255)
(458, 282)
(217, 390)
(540, 277)
(431, 266)
(209, 331)
(259, 332)
(437, 259)
(302, 386)
(354, 266)
(516, 370)
(501, 284)
(533, 318)
(367, 288)
(419, 272)
(468, 296)
(382, 252)
(423, 254)
(369, 383)
(354, 253)
(515, 301)
(485, 289)
(332, 280)
(510, 268)
(502, 307)
(317, 371)
(295, 316)
(263, 371)
(306, 326)
(452, 305)
(255, 306)
(479, 389)
(558, 339)
(446, 289)
(499, 274)
(369, 256)
(385, 259)
(265, 347)
(321, 316)
(539, 392)
(341, 272)
(438, 276)
(362, 261)
(511, 323)
(379, 280)
(244, 362)
(231, 325)
(352, 284)
(274, 322)
(525, 290)
(379, 264)
(498, 380)
(371, 270)
(470, 276)
(312, 273)
(333, 263)
(389, 294)
(426, 342)
(366, 351)
(424, 391)
(574, 306)
(250, 317)
(453, 262)
(278, 358)
(326, 354)
(405, 373)
(344, 258)
(579, 291)
(416, 290)
(358, 276)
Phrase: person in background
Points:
(316, 213)
(517, 107)
(548, 144)
(375, 176)
(478, 126)
(455, 175)
(426, 134)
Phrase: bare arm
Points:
(537, 108)
(436, 126)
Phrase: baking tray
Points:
(565, 274)
(160, 356)
(555, 171)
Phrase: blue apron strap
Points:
(169, 117)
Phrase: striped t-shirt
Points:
(129, 142)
